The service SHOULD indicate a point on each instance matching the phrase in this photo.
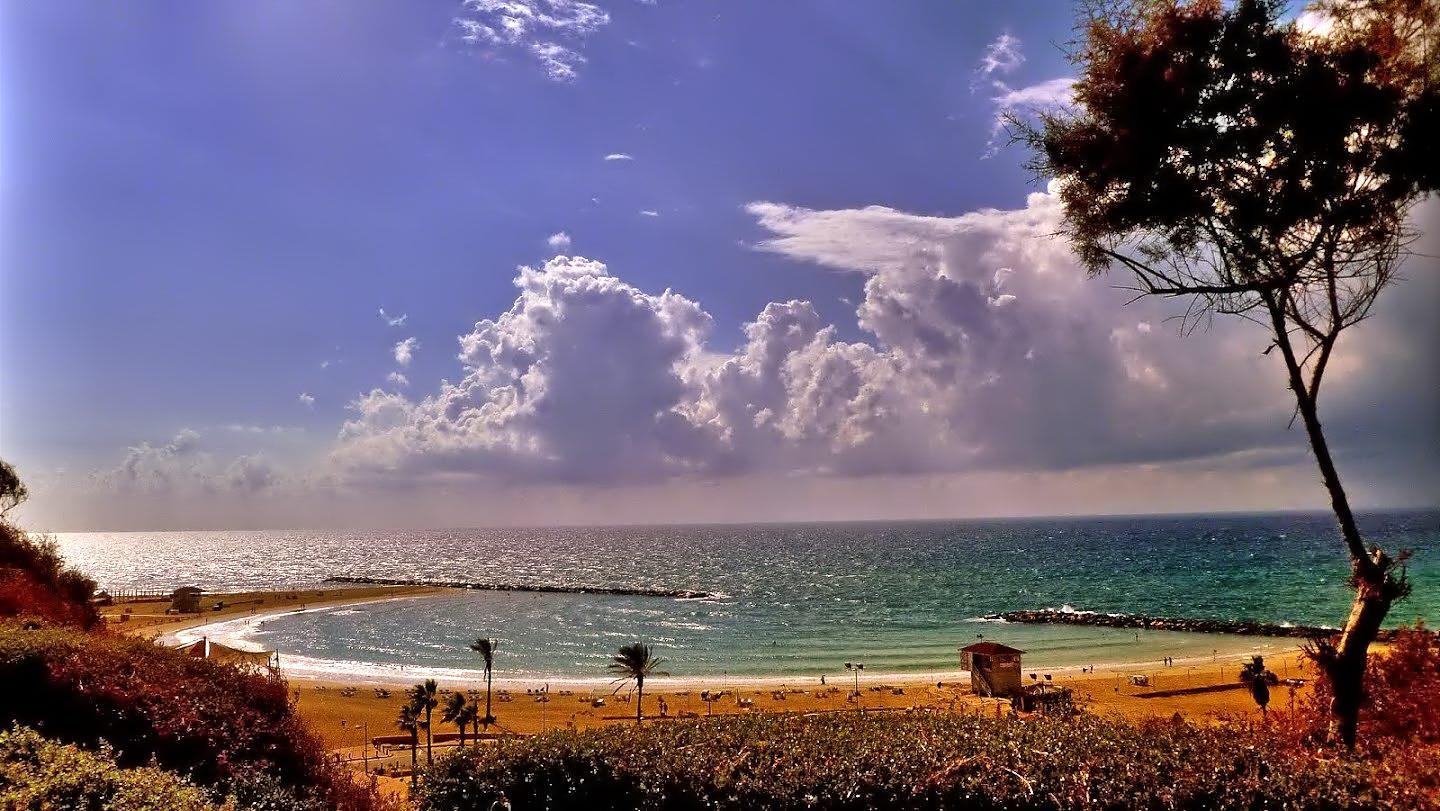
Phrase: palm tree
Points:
(409, 721)
(471, 716)
(457, 712)
(1259, 678)
(634, 662)
(460, 712)
(486, 648)
(425, 698)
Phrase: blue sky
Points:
(204, 210)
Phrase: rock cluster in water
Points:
(681, 594)
(1138, 621)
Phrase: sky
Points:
(439, 263)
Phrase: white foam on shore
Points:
(238, 632)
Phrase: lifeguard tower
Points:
(994, 669)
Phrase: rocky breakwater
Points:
(678, 594)
(1053, 616)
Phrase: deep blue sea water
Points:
(798, 600)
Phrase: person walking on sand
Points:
(822, 679)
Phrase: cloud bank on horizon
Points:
(987, 349)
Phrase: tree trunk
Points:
(639, 697)
(429, 758)
(1345, 664)
(1375, 588)
(487, 696)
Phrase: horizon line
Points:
(776, 523)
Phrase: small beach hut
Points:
(185, 600)
(994, 668)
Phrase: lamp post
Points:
(855, 667)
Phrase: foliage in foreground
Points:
(919, 760)
(37, 773)
(228, 731)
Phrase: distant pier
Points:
(1051, 616)
(678, 594)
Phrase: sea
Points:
(789, 602)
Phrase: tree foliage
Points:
(1218, 153)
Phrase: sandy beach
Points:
(350, 712)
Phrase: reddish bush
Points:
(21, 596)
(216, 725)
(1402, 692)
(35, 583)
(1399, 732)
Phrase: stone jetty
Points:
(1053, 616)
(678, 594)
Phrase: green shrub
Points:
(40, 774)
(919, 760)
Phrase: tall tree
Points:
(633, 663)
(1218, 153)
(425, 698)
(486, 648)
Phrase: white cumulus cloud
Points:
(983, 347)
(404, 351)
(558, 241)
(581, 379)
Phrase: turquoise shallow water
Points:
(797, 600)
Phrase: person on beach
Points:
(822, 679)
